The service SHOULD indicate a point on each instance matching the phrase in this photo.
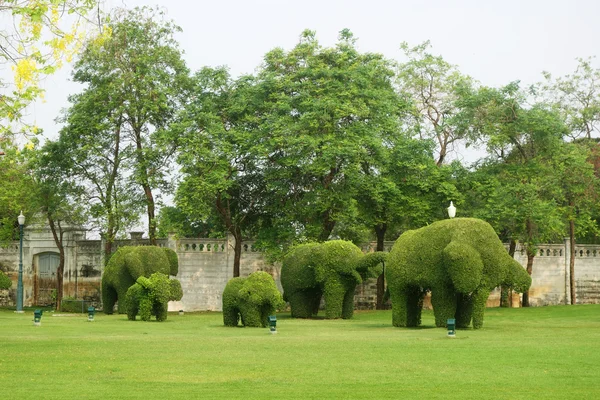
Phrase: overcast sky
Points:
(495, 42)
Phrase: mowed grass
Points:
(535, 353)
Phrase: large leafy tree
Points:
(92, 154)
(58, 200)
(577, 97)
(433, 88)
(325, 114)
(516, 190)
(139, 80)
(222, 173)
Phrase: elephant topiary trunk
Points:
(331, 270)
(251, 300)
(460, 261)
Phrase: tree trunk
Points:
(327, 226)
(58, 240)
(145, 183)
(237, 255)
(505, 292)
(572, 262)
(380, 230)
(530, 257)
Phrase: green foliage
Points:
(332, 269)
(127, 265)
(327, 112)
(460, 261)
(175, 220)
(5, 282)
(251, 299)
(150, 296)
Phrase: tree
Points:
(404, 191)
(139, 76)
(36, 44)
(577, 96)
(91, 153)
(433, 86)
(221, 170)
(578, 186)
(516, 190)
(175, 220)
(56, 199)
(325, 113)
(16, 193)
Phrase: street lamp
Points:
(21, 219)
(451, 210)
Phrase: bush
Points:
(127, 265)
(460, 261)
(250, 299)
(332, 269)
(151, 296)
(5, 282)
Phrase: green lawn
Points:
(536, 353)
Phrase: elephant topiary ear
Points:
(464, 266)
(173, 261)
(144, 282)
(175, 292)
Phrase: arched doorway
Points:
(45, 278)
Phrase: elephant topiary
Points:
(127, 265)
(460, 261)
(251, 299)
(150, 296)
(332, 269)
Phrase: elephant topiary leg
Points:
(414, 306)
(464, 310)
(109, 298)
(303, 303)
(399, 299)
(348, 304)
(443, 300)
(251, 315)
(145, 308)
(231, 316)
(479, 299)
(161, 311)
(334, 298)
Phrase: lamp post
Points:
(21, 219)
(451, 210)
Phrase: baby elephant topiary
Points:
(127, 265)
(460, 261)
(332, 270)
(150, 296)
(250, 299)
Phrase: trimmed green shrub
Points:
(332, 269)
(150, 296)
(129, 263)
(251, 299)
(460, 261)
(5, 282)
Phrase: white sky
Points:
(493, 41)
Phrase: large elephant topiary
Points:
(150, 296)
(460, 261)
(127, 265)
(251, 299)
(332, 269)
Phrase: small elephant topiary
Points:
(460, 261)
(150, 296)
(127, 265)
(251, 299)
(332, 269)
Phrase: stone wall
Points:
(205, 266)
